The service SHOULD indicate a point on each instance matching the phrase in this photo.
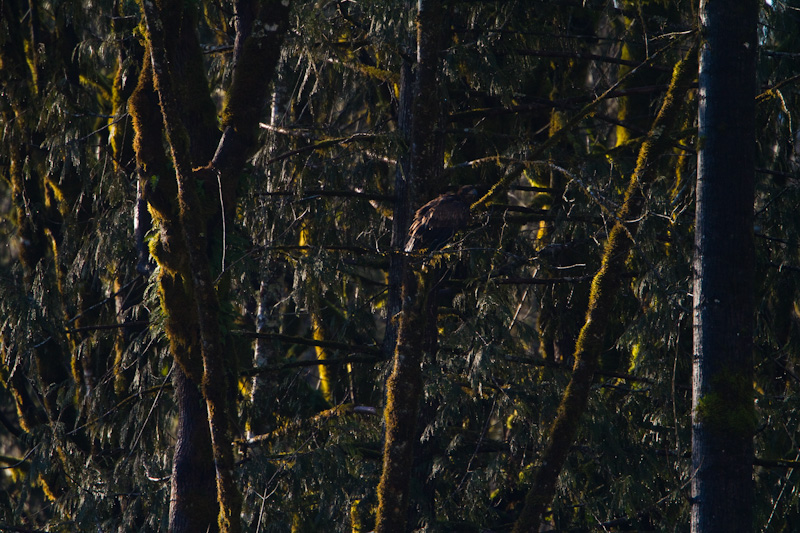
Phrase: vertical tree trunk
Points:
(401, 215)
(403, 397)
(269, 295)
(723, 415)
(404, 386)
(202, 283)
(186, 239)
(192, 480)
(426, 108)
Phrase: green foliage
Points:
(314, 225)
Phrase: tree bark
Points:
(204, 292)
(426, 108)
(192, 480)
(188, 238)
(401, 215)
(404, 386)
(723, 416)
(403, 398)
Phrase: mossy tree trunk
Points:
(403, 398)
(192, 505)
(191, 201)
(723, 417)
(605, 286)
(404, 386)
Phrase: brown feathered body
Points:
(437, 221)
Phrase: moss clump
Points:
(180, 323)
(729, 407)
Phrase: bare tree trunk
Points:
(401, 215)
(192, 481)
(723, 416)
(269, 295)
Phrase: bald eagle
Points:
(437, 221)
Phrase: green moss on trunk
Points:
(603, 292)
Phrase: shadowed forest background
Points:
(208, 320)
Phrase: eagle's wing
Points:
(437, 221)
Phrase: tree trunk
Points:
(403, 397)
(723, 416)
(404, 386)
(401, 215)
(187, 279)
(192, 481)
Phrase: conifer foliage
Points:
(210, 319)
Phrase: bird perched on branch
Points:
(437, 221)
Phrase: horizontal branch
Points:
(550, 364)
(17, 529)
(13, 462)
(333, 345)
(564, 103)
(310, 194)
(325, 144)
(533, 189)
(301, 133)
(304, 248)
(569, 54)
(133, 323)
(550, 35)
(772, 91)
(542, 281)
(332, 361)
(318, 419)
(776, 463)
(788, 175)
(528, 214)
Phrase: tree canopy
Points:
(211, 318)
